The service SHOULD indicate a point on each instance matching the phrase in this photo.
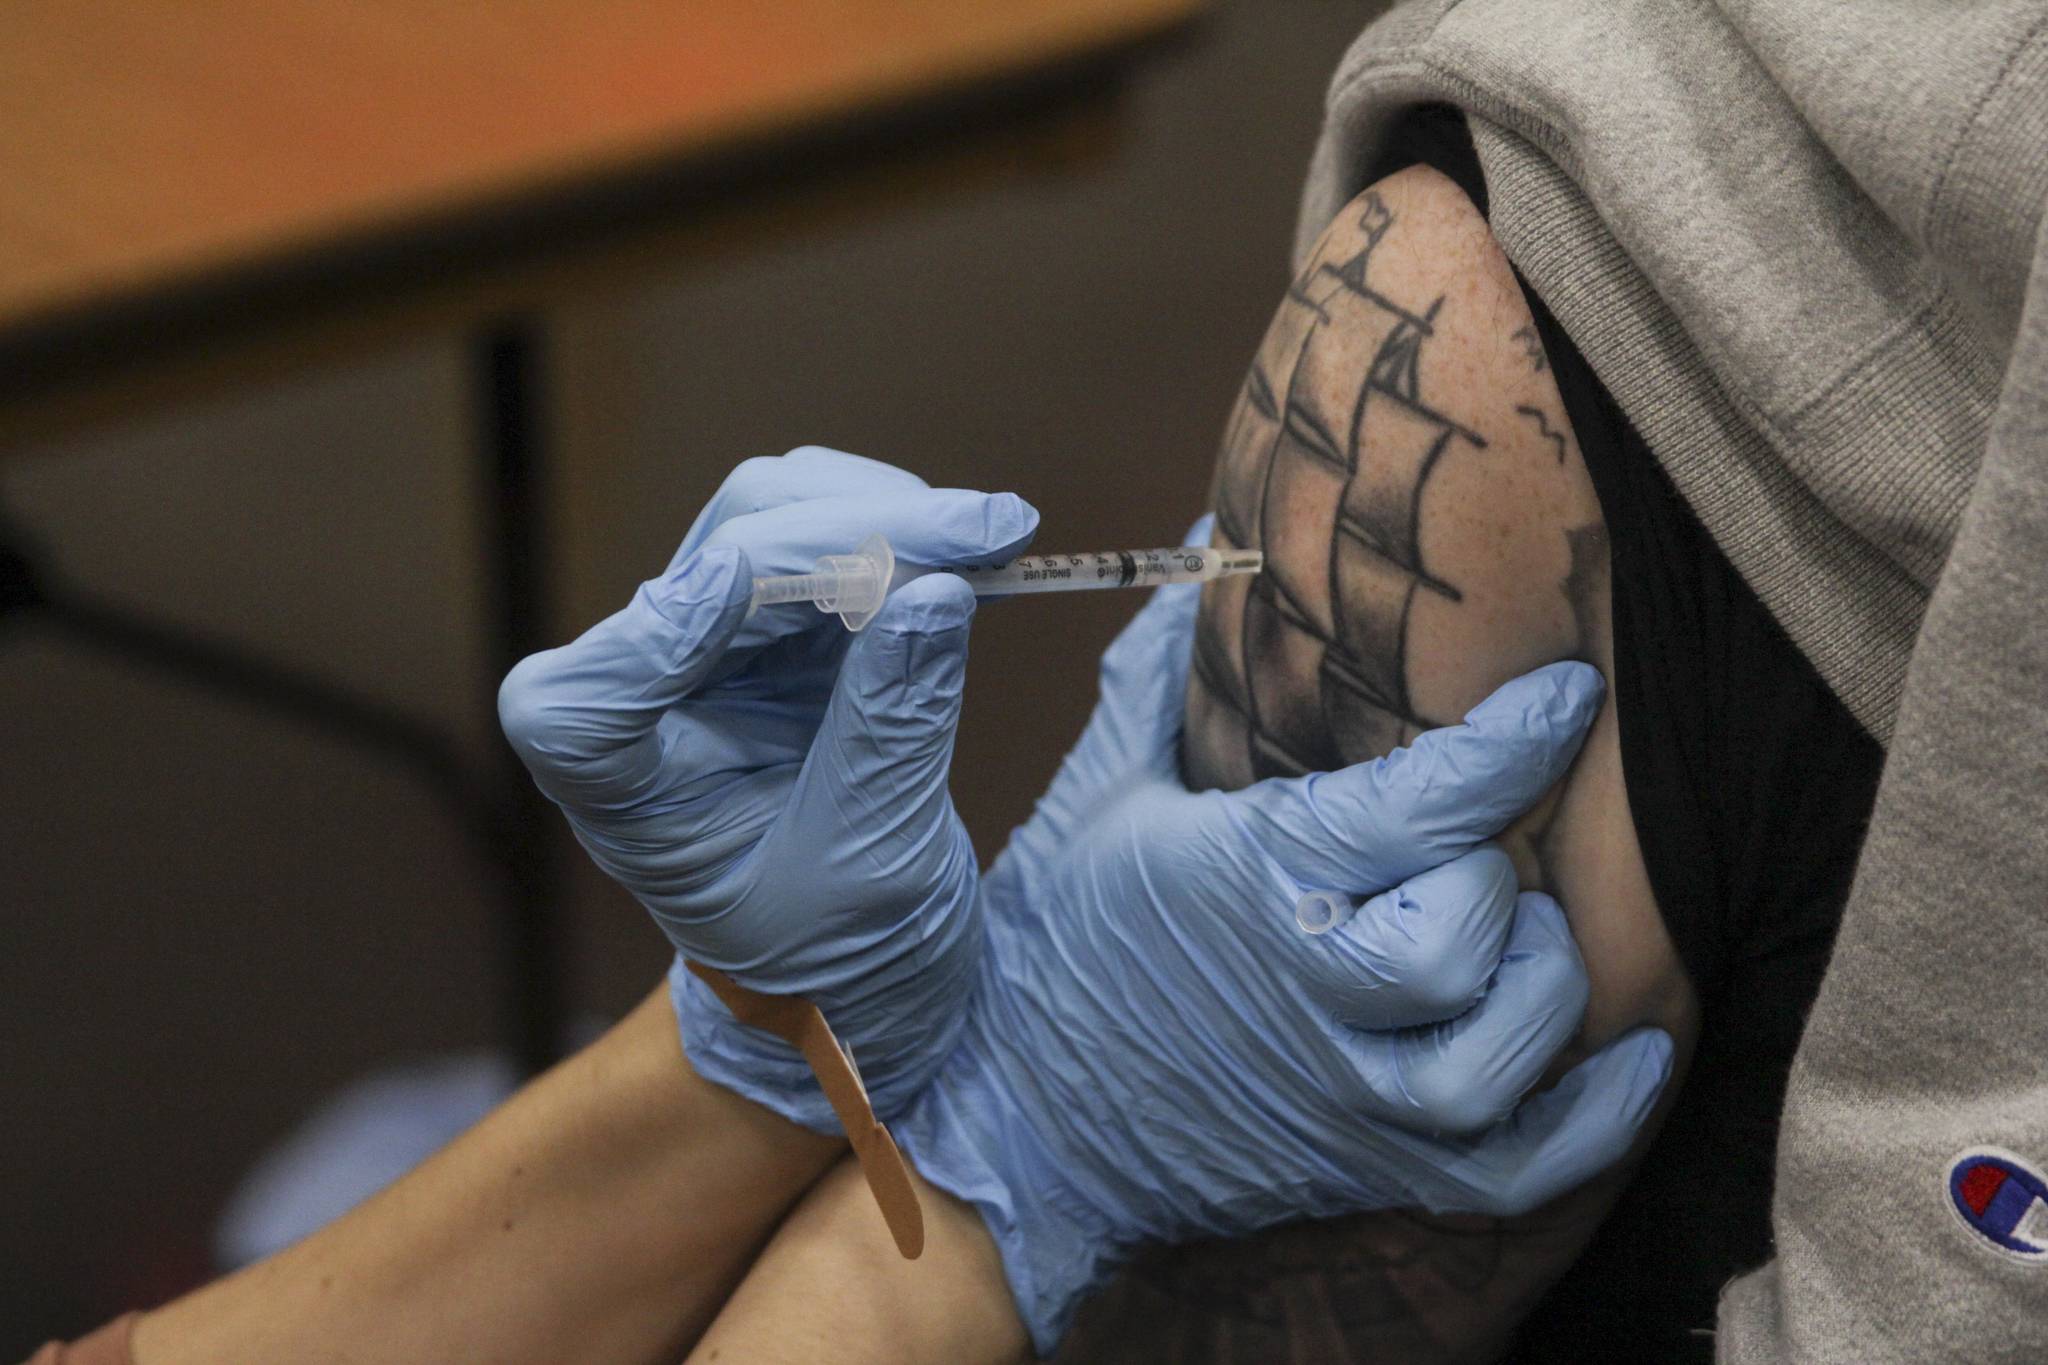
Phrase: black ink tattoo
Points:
(1532, 347)
(1259, 393)
(1327, 472)
(1543, 427)
(1395, 1285)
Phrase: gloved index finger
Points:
(803, 475)
(927, 528)
(1370, 826)
(933, 527)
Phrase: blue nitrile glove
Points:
(773, 789)
(1157, 1052)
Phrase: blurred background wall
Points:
(212, 919)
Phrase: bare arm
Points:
(1401, 453)
(831, 1288)
(601, 1214)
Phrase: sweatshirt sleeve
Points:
(107, 1346)
(1911, 1203)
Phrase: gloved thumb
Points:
(583, 717)
(1375, 824)
(870, 804)
(1563, 1137)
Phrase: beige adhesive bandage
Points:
(797, 1022)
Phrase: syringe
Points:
(854, 585)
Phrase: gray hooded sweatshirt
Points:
(1800, 242)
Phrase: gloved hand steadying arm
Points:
(773, 789)
(1157, 1052)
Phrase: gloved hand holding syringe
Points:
(776, 793)
(855, 585)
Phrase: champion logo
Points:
(2002, 1201)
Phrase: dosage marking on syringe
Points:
(855, 584)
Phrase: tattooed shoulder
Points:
(1394, 457)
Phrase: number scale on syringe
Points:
(1108, 569)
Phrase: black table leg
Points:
(511, 428)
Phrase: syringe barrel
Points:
(854, 585)
(1108, 569)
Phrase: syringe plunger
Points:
(853, 585)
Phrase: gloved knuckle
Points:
(1560, 980)
(752, 480)
(1457, 1103)
(1445, 978)
(1491, 874)
(1543, 929)
(523, 711)
(1005, 516)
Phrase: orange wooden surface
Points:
(145, 146)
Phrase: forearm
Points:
(602, 1214)
(831, 1288)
